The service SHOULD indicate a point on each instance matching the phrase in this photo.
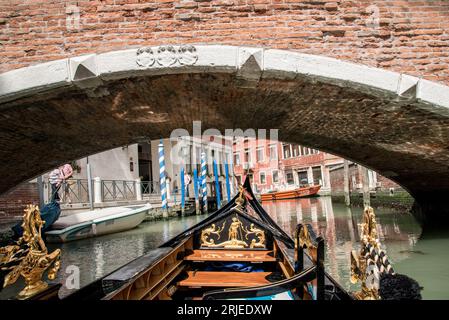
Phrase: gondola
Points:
(238, 252)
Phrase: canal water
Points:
(423, 259)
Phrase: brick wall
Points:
(403, 35)
(337, 180)
(13, 202)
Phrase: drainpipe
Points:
(89, 184)
(346, 182)
(40, 190)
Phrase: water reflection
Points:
(338, 224)
(97, 257)
(424, 260)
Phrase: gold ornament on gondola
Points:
(304, 238)
(237, 233)
(371, 261)
(240, 200)
(29, 257)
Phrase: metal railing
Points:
(150, 187)
(116, 190)
(71, 191)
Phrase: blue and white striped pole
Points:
(183, 191)
(203, 180)
(195, 187)
(217, 186)
(162, 180)
(228, 185)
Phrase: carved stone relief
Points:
(166, 56)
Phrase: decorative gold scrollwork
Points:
(371, 261)
(237, 234)
(29, 257)
(260, 235)
(205, 233)
(304, 238)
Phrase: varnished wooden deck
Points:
(224, 279)
(231, 255)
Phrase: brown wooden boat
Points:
(238, 252)
(291, 194)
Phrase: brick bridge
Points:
(365, 80)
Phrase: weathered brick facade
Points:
(403, 35)
(14, 202)
(355, 180)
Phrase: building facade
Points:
(274, 165)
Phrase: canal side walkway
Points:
(399, 201)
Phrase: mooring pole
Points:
(89, 184)
(163, 180)
(228, 185)
(195, 189)
(346, 182)
(204, 181)
(183, 191)
(217, 185)
(365, 187)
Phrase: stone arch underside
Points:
(62, 110)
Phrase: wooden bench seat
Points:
(224, 279)
(231, 255)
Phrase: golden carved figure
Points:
(369, 227)
(235, 239)
(240, 200)
(304, 238)
(234, 229)
(29, 257)
(364, 265)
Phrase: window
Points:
(236, 159)
(222, 163)
(275, 176)
(305, 151)
(273, 152)
(289, 176)
(287, 151)
(239, 179)
(263, 179)
(296, 150)
(247, 155)
(259, 154)
(317, 176)
(302, 177)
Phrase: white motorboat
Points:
(96, 222)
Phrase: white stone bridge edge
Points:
(247, 63)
